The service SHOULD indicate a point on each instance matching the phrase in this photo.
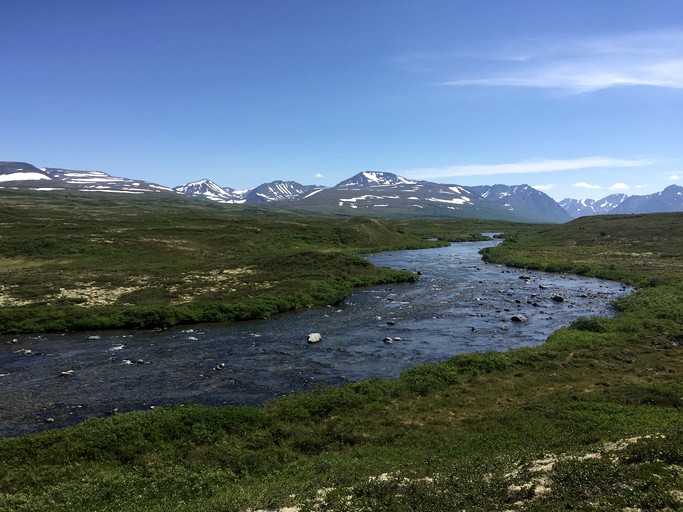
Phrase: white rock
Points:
(314, 337)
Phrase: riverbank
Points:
(459, 305)
(591, 418)
(73, 263)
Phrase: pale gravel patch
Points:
(540, 482)
(94, 296)
(7, 300)
(192, 285)
(319, 501)
(182, 245)
(226, 280)
(631, 254)
(285, 509)
(18, 263)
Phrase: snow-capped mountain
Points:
(376, 193)
(266, 193)
(207, 189)
(583, 207)
(375, 179)
(384, 193)
(526, 202)
(278, 191)
(23, 175)
(668, 200)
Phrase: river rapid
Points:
(459, 305)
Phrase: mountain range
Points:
(387, 194)
(668, 200)
(377, 193)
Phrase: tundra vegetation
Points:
(590, 420)
(73, 261)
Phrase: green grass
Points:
(590, 420)
(70, 261)
(641, 250)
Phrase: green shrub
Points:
(591, 324)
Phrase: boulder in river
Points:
(314, 337)
(558, 298)
(518, 318)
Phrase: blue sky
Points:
(580, 98)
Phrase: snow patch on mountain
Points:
(454, 200)
(376, 179)
(207, 189)
(278, 191)
(583, 207)
(24, 176)
(527, 203)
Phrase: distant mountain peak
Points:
(23, 175)
(368, 192)
(375, 179)
(583, 207)
(278, 190)
(668, 200)
(207, 189)
(21, 171)
(527, 203)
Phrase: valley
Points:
(592, 415)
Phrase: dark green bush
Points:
(591, 324)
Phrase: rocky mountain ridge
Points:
(583, 207)
(377, 193)
(386, 193)
(24, 175)
(668, 200)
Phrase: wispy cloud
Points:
(617, 187)
(585, 65)
(675, 177)
(583, 184)
(620, 187)
(526, 167)
(318, 175)
(544, 188)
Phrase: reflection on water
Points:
(459, 305)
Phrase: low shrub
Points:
(591, 324)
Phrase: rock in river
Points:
(314, 337)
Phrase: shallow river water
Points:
(459, 305)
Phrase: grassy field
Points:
(71, 261)
(590, 420)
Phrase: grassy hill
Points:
(591, 420)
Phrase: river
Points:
(459, 305)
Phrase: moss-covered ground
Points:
(590, 420)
